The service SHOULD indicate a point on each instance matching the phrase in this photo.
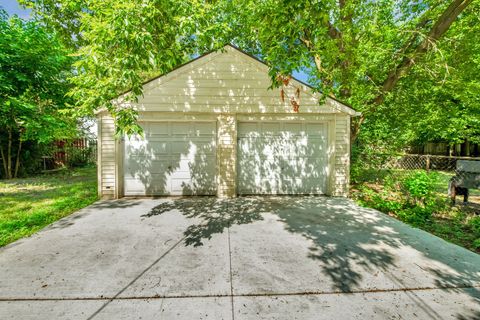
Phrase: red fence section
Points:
(81, 150)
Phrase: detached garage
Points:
(212, 127)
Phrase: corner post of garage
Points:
(226, 155)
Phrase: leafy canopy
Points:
(120, 44)
(34, 66)
(386, 58)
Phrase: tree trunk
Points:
(440, 27)
(17, 161)
(4, 160)
(412, 53)
(355, 128)
(9, 155)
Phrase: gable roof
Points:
(348, 108)
(335, 103)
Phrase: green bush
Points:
(78, 157)
(410, 196)
(476, 243)
(419, 187)
(474, 223)
(416, 215)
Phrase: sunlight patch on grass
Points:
(27, 205)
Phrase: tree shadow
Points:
(472, 315)
(172, 159)
(115, 204)
(215, 214)
(282, 158)
(331, 228)
(348, 241)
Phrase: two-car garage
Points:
(212, 127)
(179, 158)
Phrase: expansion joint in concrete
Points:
(270, 294)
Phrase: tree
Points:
(355, 50)
(120, 44)
(359, 51)
(439, 100)
(33, 83)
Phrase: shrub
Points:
(411, 197)
(419, 187)
(476, 243)
(415, 215)
(78, 157)
(474, 223)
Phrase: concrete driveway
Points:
(247, 258)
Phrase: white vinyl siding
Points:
(225, 82)
(107, 156)
(342, 156)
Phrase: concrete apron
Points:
(245, 258)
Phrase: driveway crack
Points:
(231, 273)
(269, 294)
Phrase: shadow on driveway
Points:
(344, 236)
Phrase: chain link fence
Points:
(456, 176)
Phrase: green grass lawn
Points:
(27, 205)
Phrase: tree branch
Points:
(310, 47)
(440, 27)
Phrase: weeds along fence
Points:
(375, 168)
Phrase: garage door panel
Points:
(181, 129)
(157, 148)
(248, 129)
(155, 131)
(282, 158)
(205, 129)
(313, 129)
(140, 166)
(148, 184)
(191, 187)
(191, 149)
(270, 128)
(292, 128)
(181, 147)
(144, 148)
(191, 165)
(181, 162)
(206, 147)
(200, 147)
(262, 150)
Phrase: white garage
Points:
(212, 127)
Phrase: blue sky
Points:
(12, 7)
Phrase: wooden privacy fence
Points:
(81, 150)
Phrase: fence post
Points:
(428, 163)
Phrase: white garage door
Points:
(173, 158)
(282, 158)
